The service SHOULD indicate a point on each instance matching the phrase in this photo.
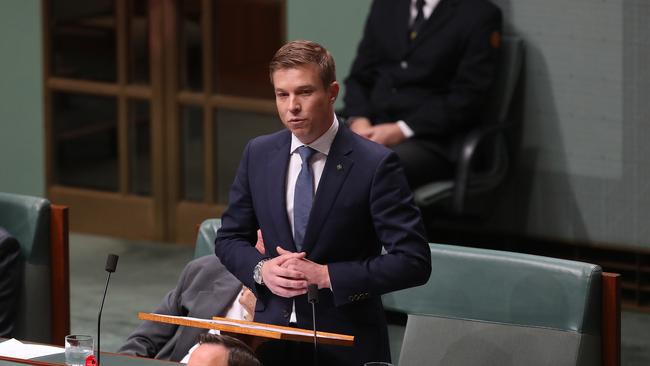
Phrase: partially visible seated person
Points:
(10, 274)
(420, 79)
(222, 350)
(205, 289)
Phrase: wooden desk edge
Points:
(341, 340)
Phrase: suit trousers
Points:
(423, 162)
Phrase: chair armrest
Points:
(467, 155)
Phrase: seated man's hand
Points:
(283, 281)
(315, 273)
(387, 134)
(361, 126)
(247, 301)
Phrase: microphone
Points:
(312, 297)
(111, 265)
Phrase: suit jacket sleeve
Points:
(399, 228)
(150, 337)
(10, 274)
(235, 239)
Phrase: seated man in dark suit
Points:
(10, 275)
(420, 78)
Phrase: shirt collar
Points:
(321, 144)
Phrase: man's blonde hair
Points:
(301, 52)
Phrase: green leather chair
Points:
(487, 307)
(205, 238)
(43, 313)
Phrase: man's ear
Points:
(334, 89)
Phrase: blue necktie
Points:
(303, 196)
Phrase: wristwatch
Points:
(257, 272)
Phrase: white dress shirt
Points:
(322, 146)
(429, 5)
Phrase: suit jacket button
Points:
(404, 65)
(285, 314)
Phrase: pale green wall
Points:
(22, 167)
(336, 24)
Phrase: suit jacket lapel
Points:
(402, 18)
(441, 14)
(276, 173)
(336, 170)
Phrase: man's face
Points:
(209, 354)
(304, 104)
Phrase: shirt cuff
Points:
(406, 130)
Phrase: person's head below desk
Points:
(222, 350)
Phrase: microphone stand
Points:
(99, 320)
(312, 297)
(111, 265)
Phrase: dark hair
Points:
(300, 52)
(239, 354)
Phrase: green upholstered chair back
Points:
(505, 308)
(205, 239)
(28, 220)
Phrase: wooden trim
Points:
(170, 35)
(122, 47)
(187, 214)
(207, 21)
(131, 216)
(258, 105)
(207, 40)
(122, 39)
(156, 70)
(98, 88)
(244, 104)
(611, 319)
(209, 148)
(60, 279)
(83, 86)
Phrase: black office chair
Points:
(483, 157)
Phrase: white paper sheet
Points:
(16, 349)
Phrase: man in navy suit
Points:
(420, 79)
(329, 234)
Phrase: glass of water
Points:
(77, 349)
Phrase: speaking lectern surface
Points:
(260, 330)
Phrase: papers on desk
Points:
(16, 349)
